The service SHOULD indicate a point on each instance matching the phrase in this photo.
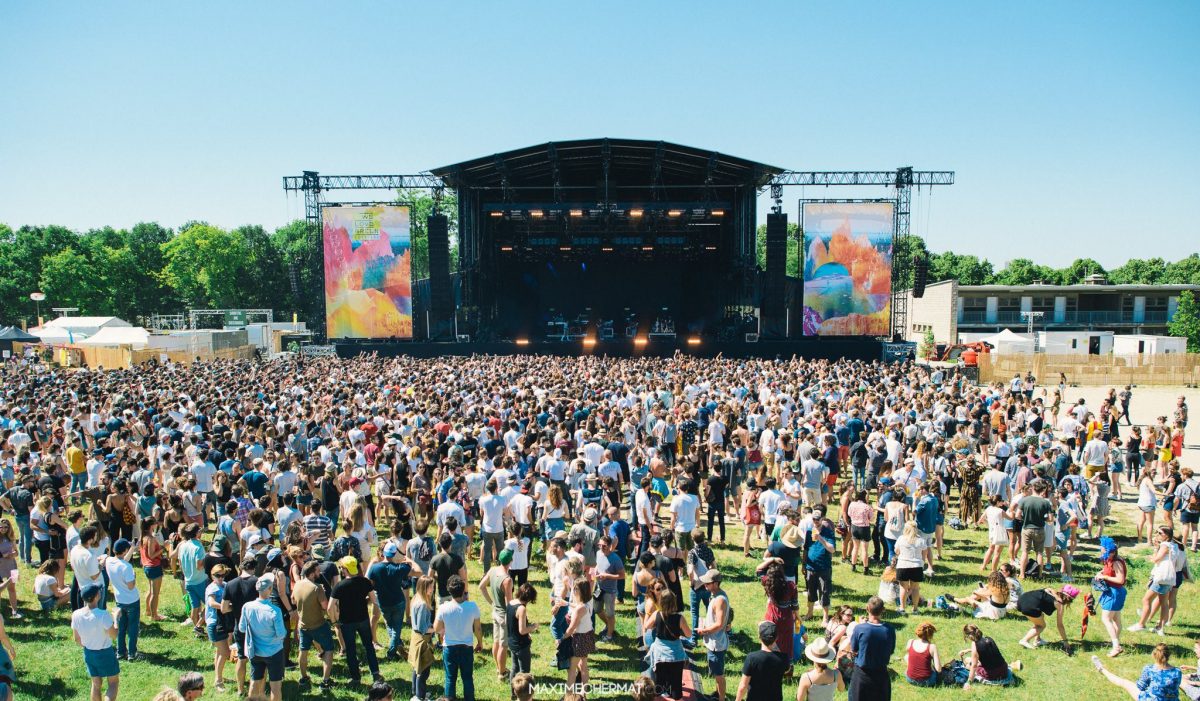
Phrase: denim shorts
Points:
(196, 593)
(322, 636)
(216, 633)
(931, 681)
(101, 663)
(716, 663)
(153, 572)
(1162, 589)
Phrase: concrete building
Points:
(951, 309)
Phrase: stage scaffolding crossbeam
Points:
(889, 178)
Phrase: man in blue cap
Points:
(129, 609)
(390, 576)
(93, 628)
(262, 623)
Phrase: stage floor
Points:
(824, 348)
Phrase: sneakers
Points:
(326, 684)
(1136, 627)
(1027, 645)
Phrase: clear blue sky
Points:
(1074, 126)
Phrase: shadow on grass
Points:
(56, 688)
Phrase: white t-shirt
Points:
(521, 507)
(93, 625)
(685, 506)
(123, 579)
(492, 509)
(459, 619)
(520, 551)
(86, 566)
(203, 472)
(770, 501)
(448, 509)
(644, 507)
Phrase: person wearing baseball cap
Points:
(353, 593)
(129, 611)
(714, 629)
(763, 669)
(94, 630)
(262, 624)
(390, 576)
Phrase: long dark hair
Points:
(774, 582)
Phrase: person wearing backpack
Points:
(1187, 500)
(718, 621)
(1162, 581)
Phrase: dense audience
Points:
(315, 507)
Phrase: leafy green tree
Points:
(266, 284)
(967, 269)
(1186, 322)
(1183, 272)
(1139, 271)
(203, 266)
(422, 206)
(147, 290)
(1022, 271)
(1078, 271)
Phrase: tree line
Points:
(149, 268)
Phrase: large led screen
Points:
(368, 271)
(847, 268)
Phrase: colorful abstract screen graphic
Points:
(368, 271)
(847, 268)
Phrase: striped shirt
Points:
(317, 528)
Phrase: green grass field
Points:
(49, 664)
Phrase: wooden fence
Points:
(1111, 370)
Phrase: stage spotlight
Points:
(647, 248)
(589, 342)
(564, 248)
(536, 213)
(606, 249)
(522, 341)
(710, 248)
(693, 340)
(497, 214)
(577, 212)
(674, 212)
(718, 212)
(506, 248)
(635, 213)
(640, 341)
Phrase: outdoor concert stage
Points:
(620, 247)
(866, 349)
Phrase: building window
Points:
(1074, 343)
(1008, 304)
(974, 302)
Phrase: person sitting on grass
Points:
(1038, 603)
(1159, 681)
(990, 600)
(47, 589)
(986, 664)
(924, 665)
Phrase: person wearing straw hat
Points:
(821, 682)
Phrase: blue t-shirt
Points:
(619, 532)
(874, 645)
(390, 580)
(216, 592)
(256, 482)
(820, 559)
(927, 510)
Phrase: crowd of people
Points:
(319, 507)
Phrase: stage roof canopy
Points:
(630, 163)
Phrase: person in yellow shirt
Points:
(77, 465)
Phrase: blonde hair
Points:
(910, 534)
(424, 591)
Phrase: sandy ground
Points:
(1147, 404)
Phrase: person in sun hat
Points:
(821, 681)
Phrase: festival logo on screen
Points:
(368, 272)
(848, 268)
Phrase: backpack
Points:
(1192, 503)
(425, 549)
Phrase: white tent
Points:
(87, 325)
(1008, 342)
(51, 334)
(133, 336)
